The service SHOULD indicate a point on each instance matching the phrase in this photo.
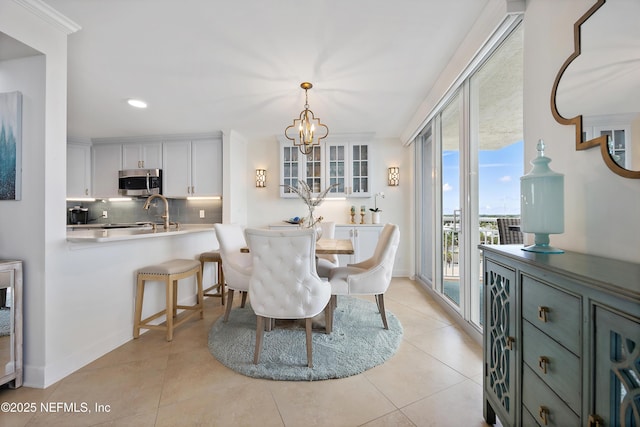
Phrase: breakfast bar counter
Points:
(101, 235)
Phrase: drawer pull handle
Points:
(510, 341)
(543, 413)
(595, 421)
(542, 313)
(543, 362)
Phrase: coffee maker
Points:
(77, 215)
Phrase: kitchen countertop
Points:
(100, 235)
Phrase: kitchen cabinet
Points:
(11, 312)
(347, 165)
(106, 161)
(78, 170)
(192, 168)
(561, 339)
(344, 160)
(142, 156)
(364, 238)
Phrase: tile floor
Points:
(434, 380)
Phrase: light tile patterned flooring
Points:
(433, 380)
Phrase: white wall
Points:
(264, 205)
(26, 230)
(21, 229)
(601, 208)
(234, 178)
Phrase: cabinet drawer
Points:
(543, 403)
(555, 365)
(553, 311)
(528, 420)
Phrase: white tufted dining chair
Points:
(369, 277)
(326, 262)
(284, 283)
(236, 265)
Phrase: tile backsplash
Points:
(180, 210)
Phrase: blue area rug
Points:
(358, 342)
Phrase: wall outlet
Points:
(105, 214)
(201, 213)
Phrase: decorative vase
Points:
(542, 203)
(375, 217)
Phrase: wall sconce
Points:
(394, 176)
(261, 178)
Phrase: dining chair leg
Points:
(227, 310)
(269, 324)
(383, 313)
(328, 317)
(308, 325)
(221, 282)
(259, 335)
(244, 298)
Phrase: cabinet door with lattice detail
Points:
(616, 396)
(501, 343)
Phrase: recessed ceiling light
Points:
(137, 103)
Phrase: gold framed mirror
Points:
(598, 85)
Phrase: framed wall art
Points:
(10, 145)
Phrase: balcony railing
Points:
(488, 235)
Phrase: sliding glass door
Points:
(496, 154)
(451, 140)
(469, 160)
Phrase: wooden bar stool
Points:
(214, 256)
(169, 272)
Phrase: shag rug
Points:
(5, 322)
(358, 342)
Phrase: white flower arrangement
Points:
(375, 202)
(304, 192)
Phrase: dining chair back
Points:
(326, 262)
(369, 277)
(509, 231)
(236, 265)
(284, 283)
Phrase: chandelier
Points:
(303, 131)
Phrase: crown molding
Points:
(157, 138)
(50, 15)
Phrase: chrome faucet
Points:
(166, 208)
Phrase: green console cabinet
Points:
(561, 339)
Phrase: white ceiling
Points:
(210, 65)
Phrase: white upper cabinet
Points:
(344, 160)
(192, 168)
(347, 165)
(106, 161)
(142, 156)
(206, 167)
(78, 170)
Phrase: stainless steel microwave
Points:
(140, 182)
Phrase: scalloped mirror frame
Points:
(577, 120)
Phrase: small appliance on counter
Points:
(78, 215)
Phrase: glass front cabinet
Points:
(343, 160)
